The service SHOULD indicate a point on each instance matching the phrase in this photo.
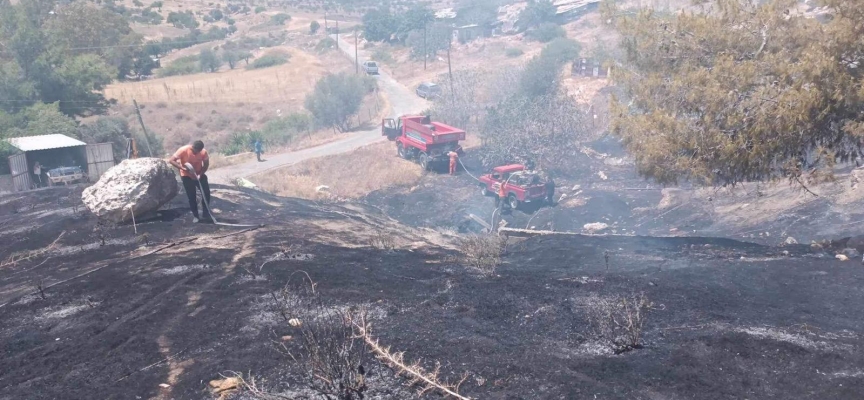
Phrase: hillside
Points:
(122, 320)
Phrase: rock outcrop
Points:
(134, 186)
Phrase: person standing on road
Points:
(197, 157)
(37, 173)
(258, 149)
(454, 157)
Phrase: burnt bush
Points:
(618, 321)
(482, 253)
(331, 354)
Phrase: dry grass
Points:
(178, 121)
(287, 82)
(349, 175)
(218, 160)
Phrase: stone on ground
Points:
(134, 186)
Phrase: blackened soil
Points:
(729, 320)
(604, 188)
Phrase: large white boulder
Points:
(134, 186)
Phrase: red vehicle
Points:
(417, 137)
(520, 186)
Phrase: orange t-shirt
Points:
(185, 155)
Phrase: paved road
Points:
(402, 101)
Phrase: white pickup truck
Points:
(371, 67)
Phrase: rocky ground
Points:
(728, 320)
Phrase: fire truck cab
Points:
(520, 185)
(419, 138)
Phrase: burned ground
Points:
(604, 188)
(728, 319)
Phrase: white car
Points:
(371, 67)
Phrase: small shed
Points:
(55, 151)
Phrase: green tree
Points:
(335, 99)
(536, 13)
(157, 5)
(379, 25)
(38, 66)
(542, 74)
(245, 56)
(748, 92)
(280, 19)
(231, 57)
(216, 14)
(480, 12)
(37, 119)
(182, 19)
(414, 18)
(313, 27)
(209, 60)
(546, 32)
(437, 39)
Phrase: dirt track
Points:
(730, 320)
(402, 101)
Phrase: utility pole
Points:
(356, 60)
(325, 21)
(450, 69)
(425, 52)
(141, 121)
(337, 34)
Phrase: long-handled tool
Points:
(191, 170)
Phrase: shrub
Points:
(209, 60)
(280, 19)
(546, 32)
(513, 52)
(181, 66)
(271, 59)
(335, 99)
(260, 9)
(282, 130)
(482, 253)
(325, 44)
(618, 322)
(561, 50)
(382, 240)
(314, 26)
(382, 55)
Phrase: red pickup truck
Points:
(417, 137)
(520, 186)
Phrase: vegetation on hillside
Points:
(742, 93)
(336, 98)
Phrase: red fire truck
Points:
(418, 138)
(520, 186)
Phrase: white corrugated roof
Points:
(44, 142)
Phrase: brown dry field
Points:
(211, 106)
(348, 176)
(285, 83)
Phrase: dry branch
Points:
(14, 259)
(426, 381)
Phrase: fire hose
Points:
(191, 170)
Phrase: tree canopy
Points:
(336, 98)
(741, 92)
(63, 54)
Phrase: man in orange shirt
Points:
(454, 156)
(195, 155)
